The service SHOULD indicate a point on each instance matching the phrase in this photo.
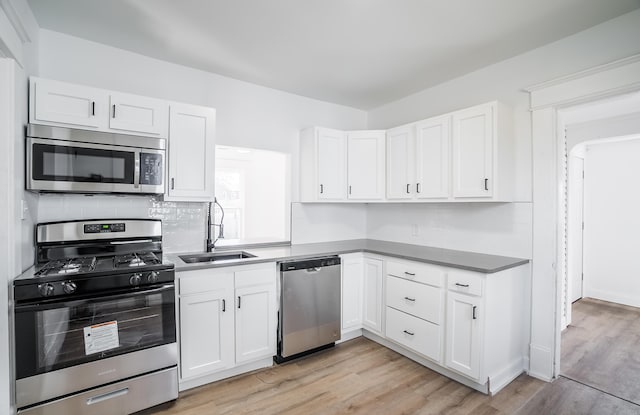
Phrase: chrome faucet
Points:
(209, 243)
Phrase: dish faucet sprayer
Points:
(212, 244)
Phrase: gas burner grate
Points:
(135, 260)
(68, 266)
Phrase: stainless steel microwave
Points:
(79, 161)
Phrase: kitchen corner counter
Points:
(472, 261)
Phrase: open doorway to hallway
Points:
(602, 275)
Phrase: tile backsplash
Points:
(183, 223)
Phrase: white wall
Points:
(492, 228)
(247, 116)
(612, 223)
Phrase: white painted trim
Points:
(350, 335)
(618, 77)
(606, 80)
(612, 296)
(238, 370)
(15, 20)
(506, 376)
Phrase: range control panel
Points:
(104, 228)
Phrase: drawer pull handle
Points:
(239, 301)
(473, 312)
(224, 306)
(409, 299)
(462, 285)
(410, 273)
(321, 188)
(408, 332)
(107, 396)
(408, 191)
(93, 108)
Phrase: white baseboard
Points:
(349, 335)
(506, 376)
(613, 297)
(235, 371)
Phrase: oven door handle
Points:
(87, 299)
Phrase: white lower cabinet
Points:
(352, 277)
(464, 332)
(226, 318)
(206, 328)
(372, 295)
(414, 333)
(255, 316)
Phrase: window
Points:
(253, 187)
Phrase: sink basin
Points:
(216, 257)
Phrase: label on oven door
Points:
(101, 337)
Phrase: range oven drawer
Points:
(119, 398)
(50, 385)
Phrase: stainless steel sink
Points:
(216, 257)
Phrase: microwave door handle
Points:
(136, 171)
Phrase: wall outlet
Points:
(415, 230)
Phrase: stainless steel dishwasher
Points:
(309, 317)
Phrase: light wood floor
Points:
(601, 348)
(362, 377)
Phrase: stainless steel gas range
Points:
(95, 320)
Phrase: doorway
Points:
(602, 296)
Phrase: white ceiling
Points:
(360, 53)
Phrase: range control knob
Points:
(69, 287)
(46, 289)
(153, 277)
(135, 279)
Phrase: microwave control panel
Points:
(151, 168)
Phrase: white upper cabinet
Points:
(68, 105)
(133, 113)
(473, 147)
(323, 165)
(191, 153)
(418, 160)
(482, 139)
(401, 163)
(76, 106)
(366, 165)
(432, 152)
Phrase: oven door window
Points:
(55, 336)
(80, 164)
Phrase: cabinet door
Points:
(70, 105)
(331, 162)
(432, 158)
(207, 331)
(365, 165)
(400, 163)
(464, 326)
(255, 322)
(191, 153)
(473, 152)
(136, 114)
(352, 269)
(372, 302)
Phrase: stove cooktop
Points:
(85, 265)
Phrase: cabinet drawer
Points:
(466, 282)
(416, 271)
(263, 274)
(203, 280)
(417, 299)
(416, 334)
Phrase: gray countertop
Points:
(471, 261)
